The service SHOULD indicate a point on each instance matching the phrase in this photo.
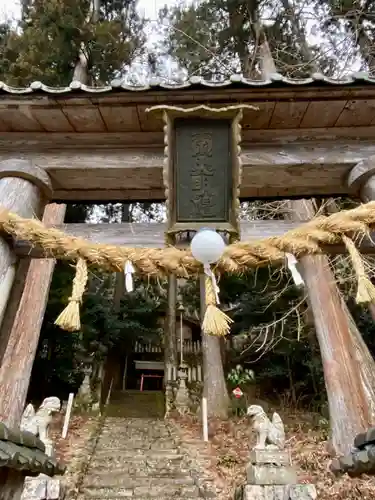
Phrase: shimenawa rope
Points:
(310, 238)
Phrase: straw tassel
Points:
(215, 321)
(366, 290)
(69, 319)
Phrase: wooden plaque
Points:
(202, 169)
(202, 172)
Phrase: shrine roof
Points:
(282, 109)
(276, 80)
(22, 450)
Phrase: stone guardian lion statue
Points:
(38, 422)
(270, 434)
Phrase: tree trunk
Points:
(19, 355)
(119, 291)
(119, 277)
(215, 387)
(299, 33)
(81, 69)
(347, 399)
(96, 10)
(365, 44)
(267, 64)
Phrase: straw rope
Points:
(310, 238)
(69, 319)
(365, 290)
(215, 322)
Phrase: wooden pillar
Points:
(20, 350)
(214, 385)
(348, 404)
(11, 482)
(361, 180)
(24, 190)
(170, 341)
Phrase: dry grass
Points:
(226, 455)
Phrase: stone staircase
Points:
(137, 457)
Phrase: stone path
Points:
(137, 458)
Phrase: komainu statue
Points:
(38, 423)
(270, 435)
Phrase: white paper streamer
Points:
(292, 266)
(208, 272)
(129, 271)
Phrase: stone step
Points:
(111, 479)
(137, 458)
(153, 463)
(127, 454)
(135, 435)
(141, 492)
(104, 451)
(137, 472)
(141, 424)
(114, 444)
(130, 495)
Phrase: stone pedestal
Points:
(290, 492)
(270, 467)
(42, 488)
(270, 476)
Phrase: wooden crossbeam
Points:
(152, 235)
(269, 170)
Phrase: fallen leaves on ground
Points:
(227, 452)
(78, 433)
(72, 450)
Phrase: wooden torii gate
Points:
(312, 138)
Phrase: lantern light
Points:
(207, 246)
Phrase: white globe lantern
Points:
(207, 246)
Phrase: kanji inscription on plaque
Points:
(202, 170)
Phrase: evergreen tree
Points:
(54, 35)
(217, 38)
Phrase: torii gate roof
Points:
(302, 140)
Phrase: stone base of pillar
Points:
(277, 492)
(42, 488)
